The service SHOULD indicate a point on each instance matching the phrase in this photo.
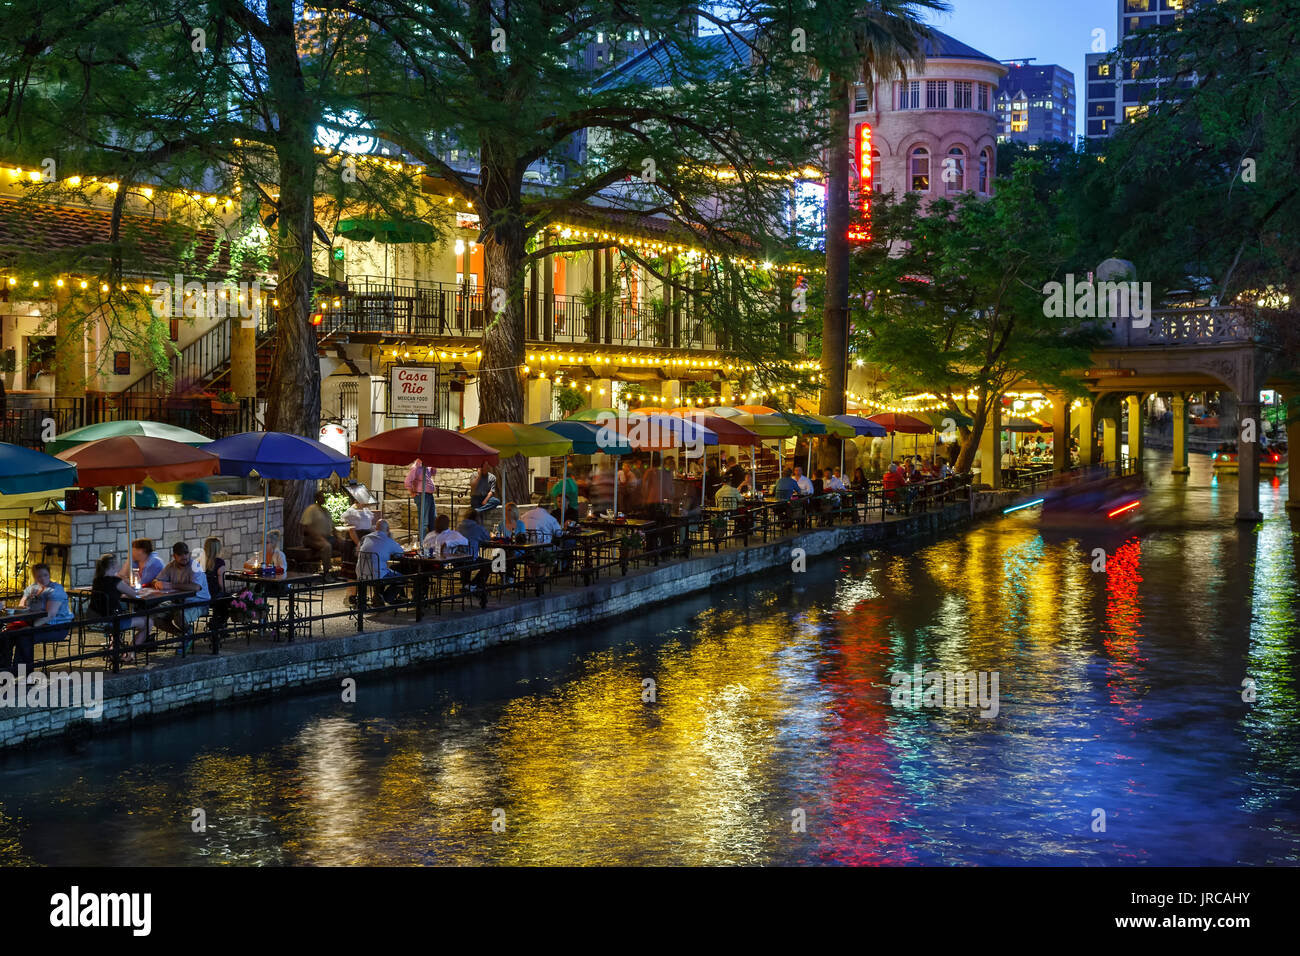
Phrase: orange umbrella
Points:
(755, 409)
(648, 410)
(130, 459)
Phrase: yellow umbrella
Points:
(512, 439)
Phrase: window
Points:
(909, 95)
(936, 94)
(986, 163)
(876, 185)
(954, 170)
(961, 95)
(920, 170)
(861, 99)
(1137, 6)
(984, 97)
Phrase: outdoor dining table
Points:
(584, 543)
(285, 585)
(443, 567)
(12, 615)
(527, 550)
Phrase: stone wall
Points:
(87, 535)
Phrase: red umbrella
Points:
(436, 447)
(728, 432)
(902, 423)
(130, 459)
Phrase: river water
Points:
(1121, 734)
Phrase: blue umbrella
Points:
(589, 438)
(863, 426)
(279, 456)
(24, 471)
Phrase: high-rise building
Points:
(1035, 104)
(1121, 84)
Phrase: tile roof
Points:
(77, 239)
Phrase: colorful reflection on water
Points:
(771, 736)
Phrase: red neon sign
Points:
(862, 231)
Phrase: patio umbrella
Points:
(588, 439)
(512, 439)
(756, 409)
(79, 436)
(906, 424)
(436, 447)
(724, 411)
(24, 471)
(862, 426)
(130, 459)
(833, 427)
(729, 433)
(764, 426)
(280, 456)
(592, 414)
(650, 410)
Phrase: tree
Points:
(950, 299)
(884, 38)
(159, 98)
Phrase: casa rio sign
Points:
(411, 391)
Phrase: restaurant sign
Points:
(412, 391)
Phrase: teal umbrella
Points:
(130, 426)
(24, 471)
(588, 439)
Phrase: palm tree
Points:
(886, 40)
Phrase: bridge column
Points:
(243, 359)
(1248, 462)
(1178, 408)
(1060, 433)
(1082, 416)
(991, 446)
(1110, 439)
(1134, 403)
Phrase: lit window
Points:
(1103, 69)
(920, 170)
(954, 170)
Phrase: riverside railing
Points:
(308, 607)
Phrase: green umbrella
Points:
(592, 414)
(386, 230)
(95, 432)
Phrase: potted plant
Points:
(225, 402)
(569, 400)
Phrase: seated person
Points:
(728, 496)
(106, 592)
(195, 493)
(441, 539)
(272, 557)
(735, 473)
(145, 497)
(318, 532)
(477, 535)
(182, 575)
(360, 521)
(511, 525)
(785, 487)
(801, 480)
(377, 549)
(18, 644)
(482, 491)
(143, 557)
(818, 482)
(836, 483)
(541, 524)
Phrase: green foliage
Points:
(336, 504)
(569, 400)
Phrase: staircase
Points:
(204, 364)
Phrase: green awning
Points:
(386, 230)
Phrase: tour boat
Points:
(1272, 461)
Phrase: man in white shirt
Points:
(442, 537)
(800, 479)
(377, 548)
(541, 523)
(836, 483)
(727, 496)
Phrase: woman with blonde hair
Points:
(273, 556)
(106, 592)
(214, 567)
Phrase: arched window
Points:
(986, 165)
(876, 184)
(954, 170)
(920, 161)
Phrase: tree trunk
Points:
(293, 390)
(972, 445)
(835, 318)
(501, 385)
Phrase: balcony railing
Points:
(442, 310)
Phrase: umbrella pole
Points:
(266, 508)
(616, 471)
(564, 491)
(129, 489)
(753, 469)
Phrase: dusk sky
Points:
(1050, 31)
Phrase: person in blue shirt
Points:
(142, 556)
(377, 549)
(18, 647)
(145, 497)
(785, 486)
(477, 536)
(195, 493)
